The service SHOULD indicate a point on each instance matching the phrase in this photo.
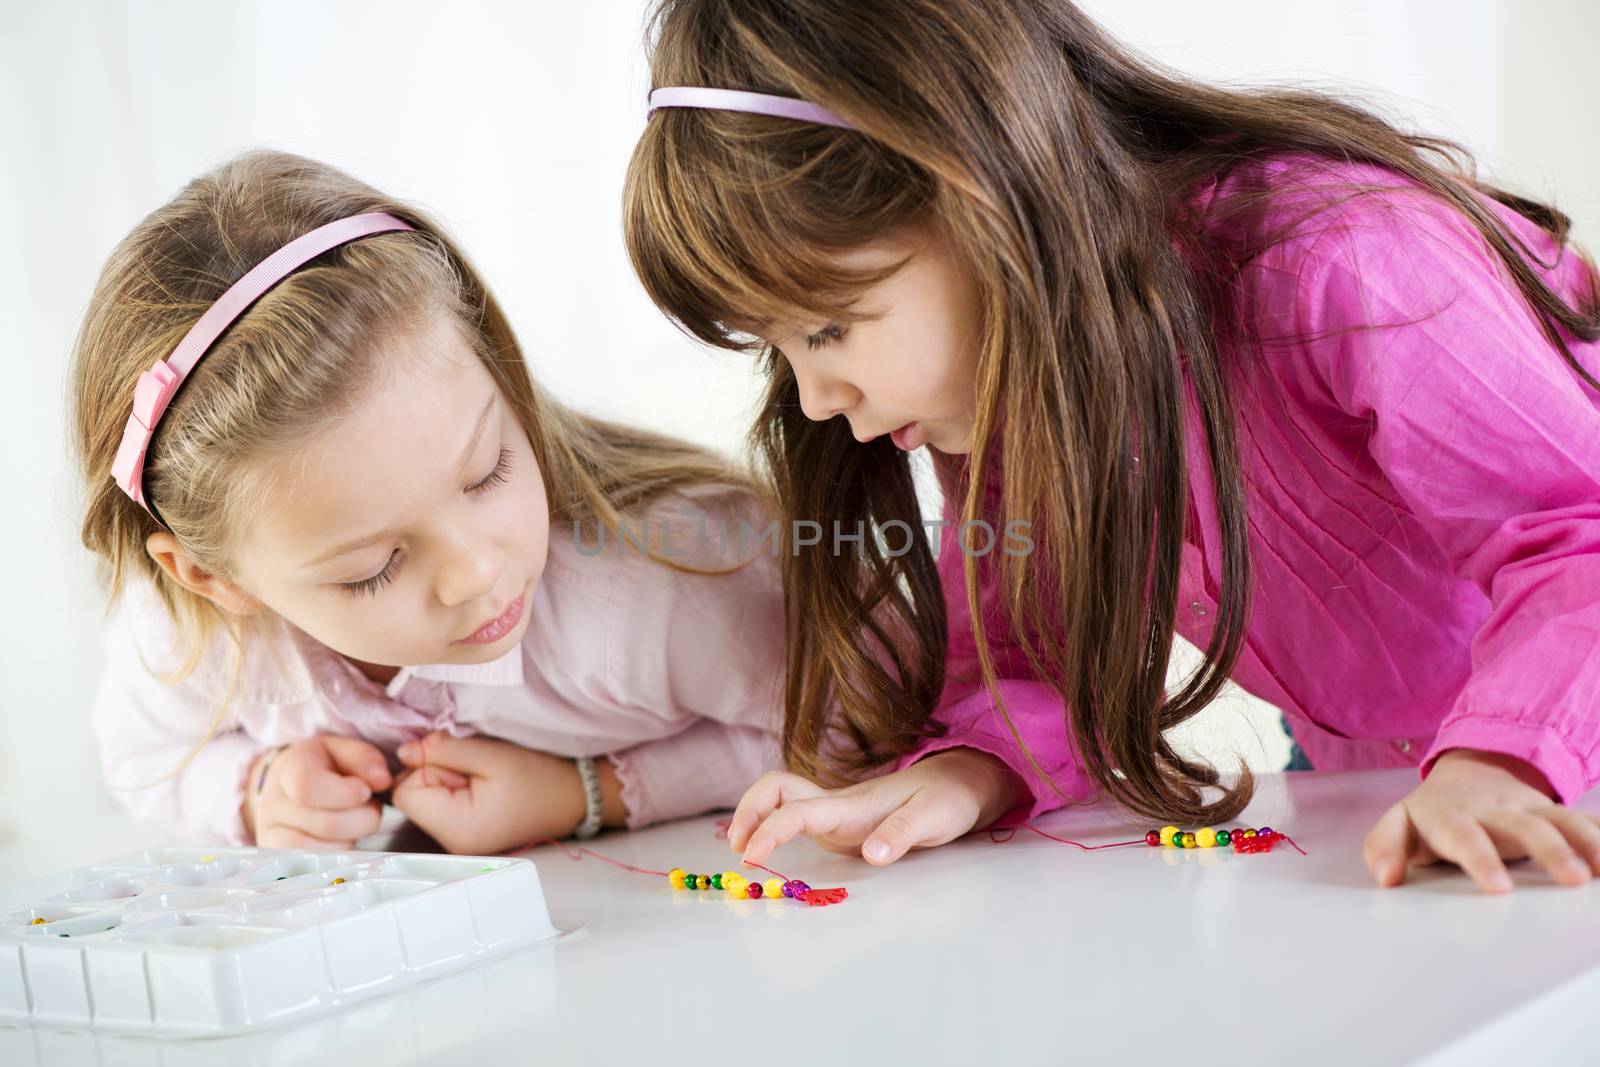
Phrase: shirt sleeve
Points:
(1492, 442)
(704, 768)
(712, 647)
(153, 748)
(1053, 777)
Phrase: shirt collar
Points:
(507, 670)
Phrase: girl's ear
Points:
(227, 595)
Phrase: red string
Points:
(769, 870)
(1265, 843)
(1011, 831)
(1292, 845)
(576, 855)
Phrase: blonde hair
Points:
(296, 360)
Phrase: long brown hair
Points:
(296, 360)
(1057, 162)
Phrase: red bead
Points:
(1153, 838)
(754, 889)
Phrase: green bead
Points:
(716, 881)
(1223, 838)
(1177, 840)
(689, 881)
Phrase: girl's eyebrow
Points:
(383, 535)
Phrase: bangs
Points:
(731, 218)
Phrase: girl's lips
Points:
(496, 628)
(909, 437)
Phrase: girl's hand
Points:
(479, 795)
(317, 793)
(933, 801)
(1476, 809)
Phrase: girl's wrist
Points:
(995, 787)
(252, 776)
(613, 810)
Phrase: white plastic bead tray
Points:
(192, 942)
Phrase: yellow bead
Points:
(772, 888)
(1188, 839)
(207, 859)
(1206, 838)
(337, 881)
(734, 882)
(1167, 833)
(675, 877)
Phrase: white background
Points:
(514, 122)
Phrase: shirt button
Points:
(1197, 607)
(1403, 745)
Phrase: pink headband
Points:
(157, 385)
(783, 107)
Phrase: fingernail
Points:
(877, 850)
(366, 793)
(406, 751)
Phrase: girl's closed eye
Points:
(370, 586)
(827, 335)
(502, 468)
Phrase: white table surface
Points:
(976, 953)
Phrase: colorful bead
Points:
(1249, 833)
(1222, 838)
(691, 881)
(799, 887)
(772, 887)
(734, 883)
(1206, 838)
(1188, 839)
(753, 890)
(1177, 840)
(39, 921)
(1265, 831)
(1153, 838)
(1168, 833)
(716, 881)
(676, 877)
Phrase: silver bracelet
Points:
(594, 811)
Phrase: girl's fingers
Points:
(359, 758)
(288, 837)
(1521, 833)
(442, 777)
(468, 755)
(309, 780)
(1388, 847)
(330, 824)
(1463, 841)
(815, 817)
(1582, 832)
(770, 791)
(919, 821)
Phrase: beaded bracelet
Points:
(736, 885)
(1242, 839)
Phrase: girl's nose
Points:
(822, 397)
(470, 570)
